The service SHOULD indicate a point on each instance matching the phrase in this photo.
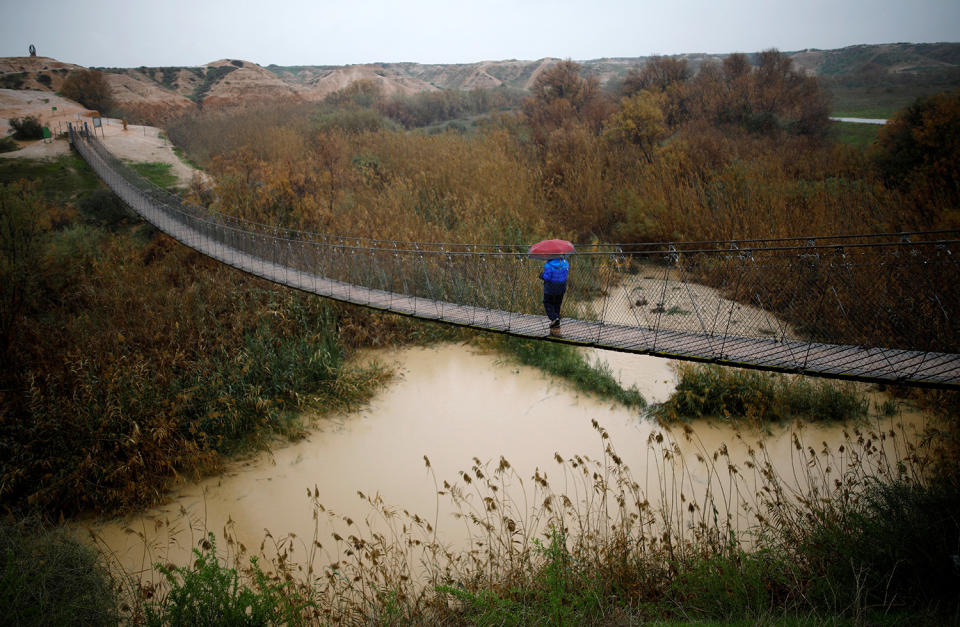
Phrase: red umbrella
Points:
(550, 248)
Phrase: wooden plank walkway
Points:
(827, 360)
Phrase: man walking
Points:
(554, 277)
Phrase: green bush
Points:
(209, 593)
(897, 545)
(28, 127)
(47, 578)
(557, 593)
(355, 120)
(8, 145)
(104, 208)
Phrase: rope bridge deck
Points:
(870, 308)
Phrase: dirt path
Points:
(136, 143)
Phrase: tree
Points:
(640, 121)
(561, 96)
(771, 99)
(89, 88)
(657, 75)
(920, 147)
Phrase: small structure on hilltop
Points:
(33, 50)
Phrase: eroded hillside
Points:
(158, 93)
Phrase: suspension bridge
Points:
(880, 308)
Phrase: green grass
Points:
(159, 174)
(63, 179)
(568, 363)
(878, 102)
(185, 158)
(857, 135)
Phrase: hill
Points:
(154, 94)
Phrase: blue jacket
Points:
(554, 276)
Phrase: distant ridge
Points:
(156, 93)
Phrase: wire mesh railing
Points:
(880, 307)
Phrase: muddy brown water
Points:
(452, 404)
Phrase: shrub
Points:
(104, 208)
(209, 593)
(8, 145)
(89, 88)
(896, 546)
(27, 128)
(47, 578)
(919, 148)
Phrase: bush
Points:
(8, 145)
(898, 544)
(104, 208)
(209, 593)
(49, 579)
(12, 80)
(27, 128)
(89, 88)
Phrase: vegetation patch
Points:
(211, 76)
(12, 80)
(161, 361)
(64, 178)
(736, 394)
(49, 578)
(27, 128)
(567, 362)
(209, 592)
(857, 135)
(157, 173)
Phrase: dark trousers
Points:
(551, 303)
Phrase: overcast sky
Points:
(131, 33)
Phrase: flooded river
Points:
(454, 405)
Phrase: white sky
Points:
(131, 33)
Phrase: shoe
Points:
(555, 324)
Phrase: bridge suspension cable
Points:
(881, 308)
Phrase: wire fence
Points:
(880, 307)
